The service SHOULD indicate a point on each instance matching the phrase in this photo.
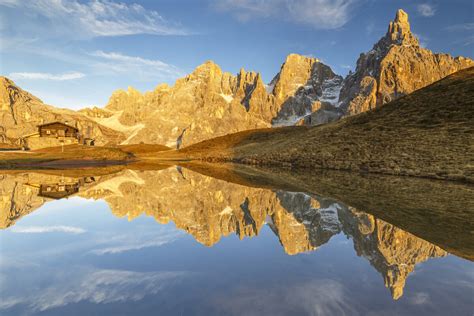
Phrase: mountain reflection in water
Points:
(242, 202)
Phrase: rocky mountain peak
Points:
(399, 30)
(10, 93)
(294, 73)
(207, 68)
(396, 66)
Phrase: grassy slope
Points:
(79, 155)
(71, 154)
(429, 133)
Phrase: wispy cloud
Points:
(320, 14)
(95, 18)
(96, 286)
(420, 298)
(137, 244)
(47, 229)
(46, 76)
(147, 68)
(424, 40)
(426, 9)
(466, 28)
(121, 63)
(316, 297)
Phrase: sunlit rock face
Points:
(390, 250)
(209, 103)
(397, 65)
(304, 86)
(21, 113)
(204, 104)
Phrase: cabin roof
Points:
(60, 123)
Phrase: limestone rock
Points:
(395, 66)
(301, 87)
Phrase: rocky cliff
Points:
(206, 103)
(209, 103)
(21, 113)
(397, 65)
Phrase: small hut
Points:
(57, 129)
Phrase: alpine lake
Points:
(197, 239)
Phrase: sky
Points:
(75, 53)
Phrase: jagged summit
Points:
(399, 32)
(396, 66)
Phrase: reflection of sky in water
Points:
(75, 257)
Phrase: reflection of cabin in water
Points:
(58, 191)
(63, 189)
(58, 129)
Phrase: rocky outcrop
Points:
(397, 65)
(304, 86)
(21, 113)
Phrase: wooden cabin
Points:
(57, 129)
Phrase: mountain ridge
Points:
(209, 102)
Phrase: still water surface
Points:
(178, 242)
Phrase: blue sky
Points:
(75, 53)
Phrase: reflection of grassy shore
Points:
(77, 156)
(440, 212)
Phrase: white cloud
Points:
(94, 18)
(424, 40)
(320, 14)
(95, 286)
(461, 27)
(47, 229)
(426, 9)
(420, 298)
(124, 63)
(467, 28)
(129, 244)
(316, 297)
(46, 76)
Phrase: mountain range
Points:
(209, 102)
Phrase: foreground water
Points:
(178, 242)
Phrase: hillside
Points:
(22, 112)
(428, 133)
